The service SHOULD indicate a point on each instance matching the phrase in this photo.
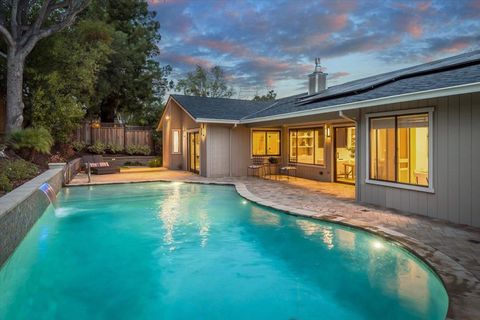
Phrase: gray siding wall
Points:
(456, 155)
(218, 151)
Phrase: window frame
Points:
(179, 131)
(319, 128)
(265, 131)
(401, 185)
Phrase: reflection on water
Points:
(262, 217)
(312, 228)
(345, 239)
(169, 212)
(204, 227)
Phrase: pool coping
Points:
(462, 287)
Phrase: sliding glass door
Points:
(345, 154)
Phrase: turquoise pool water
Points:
(189, 251)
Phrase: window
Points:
(399, 149)
(307, 146)
(176, 141)
(266, 142)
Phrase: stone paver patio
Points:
(453, 250)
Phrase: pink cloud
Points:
(337, 75)
(424, 6)
(168, 2)
(191, 60)
(456, 46)
(414, 28)
(336, 21)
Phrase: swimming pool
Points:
(192, 251)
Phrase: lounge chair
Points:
(258, 165)
(97, 165)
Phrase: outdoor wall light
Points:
(167, 117)
(328, 132)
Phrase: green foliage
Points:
(97, 148)
(5, 183)
(14, 172)
(33, 140)
(132, 84)
(62, 88)
(133, 163)
(205, 83)
(270, 96)
(155, 163)
(78, 146)
(114, 148)
(138, 150)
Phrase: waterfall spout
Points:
(49, 192)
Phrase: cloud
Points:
(338, 75)
(264, 43)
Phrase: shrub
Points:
(97, 148)
(5, 184)
(15, 171)
(133, 164)
(138, 150)
(155, 163)
(78, 146)
(31, 140)
(114, 148)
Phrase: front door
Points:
(194, 152)
(344, 145)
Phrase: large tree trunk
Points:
(15, 65)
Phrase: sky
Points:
(272, 44)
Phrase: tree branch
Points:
(7, 36)
(42, 14)
(3, 55)
(74, 8)
(13, 19)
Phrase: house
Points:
(408, 139)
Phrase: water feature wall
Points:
(21, 208)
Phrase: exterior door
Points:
(344, 146)
(194, 152)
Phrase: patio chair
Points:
(97, 165)
(289, 169)
(258, 165)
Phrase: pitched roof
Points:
(450, 72)
(219, 108)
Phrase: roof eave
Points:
(419, 95)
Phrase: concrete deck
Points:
(452, 250)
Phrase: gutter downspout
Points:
(357, 153)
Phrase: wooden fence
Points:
(109, 133)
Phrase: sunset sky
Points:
(271, 44)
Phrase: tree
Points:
(271, 95)
(22, 24)
(205, 83)
(60, 91)
(133, 83)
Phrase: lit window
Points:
(307, 146)
(266, 142)
(175, 141)
(399, 147)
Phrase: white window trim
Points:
(265, 129)
(429, 188)
(179, 141)
(311, 127)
